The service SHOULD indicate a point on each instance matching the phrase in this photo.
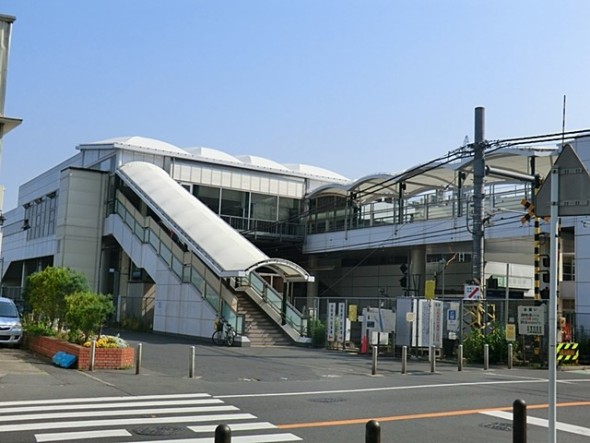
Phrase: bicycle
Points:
(224, 333)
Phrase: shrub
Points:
(37, 329)
(473, 344)
(317, 333)
(86, 312)
(45, 293)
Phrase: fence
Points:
(350, 322)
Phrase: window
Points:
(208, 195)
(233, 203)
(263, 207)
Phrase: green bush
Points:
(317, 333)
(45, 293)
(38, 329)
(85, 313)
(473, 344)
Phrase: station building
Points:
(179, 236)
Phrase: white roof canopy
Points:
(213, 240)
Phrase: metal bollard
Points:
(519, 421)
(486, 356)
(191, 363)
(138, 359)
(433, 358)
(510, 356)
(92, 354)
(460, 357)
(404, 359)
(222, 434)
(374, 360)
(372, 432)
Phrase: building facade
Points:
(180, 236)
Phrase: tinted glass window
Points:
(8, 310)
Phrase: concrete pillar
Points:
(417, 270)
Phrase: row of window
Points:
(244, 204)
(40, 217)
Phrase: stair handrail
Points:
(147, 230)
(272, 298)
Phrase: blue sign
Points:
(452, 315)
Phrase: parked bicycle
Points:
(224, 333)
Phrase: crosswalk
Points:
(175, 418)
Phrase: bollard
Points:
(374, 360)
(222, 434)
(92, 354)
(191, 363)
(433, 358)
(138, 359)
(404, 359)
(486, 356)
(460, 357)
(372, 432)
(509, 355)
(519, 421)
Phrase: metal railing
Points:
(293, 317)
(148, 231)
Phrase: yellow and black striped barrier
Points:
(567, 352)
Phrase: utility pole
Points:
(478, 196)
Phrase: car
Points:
(11, 329)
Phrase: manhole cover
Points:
(326, 400)
(157, 430)
(498, 426)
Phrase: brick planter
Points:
(105, 358)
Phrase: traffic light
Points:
(530, 208)
(545, 267)
(403, 282)
(492, 282)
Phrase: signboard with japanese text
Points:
(531, 320)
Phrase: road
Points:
(277, 394)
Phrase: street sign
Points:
(574, 187)
(471, 292)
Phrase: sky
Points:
(356, 87)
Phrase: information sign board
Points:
(531, 320)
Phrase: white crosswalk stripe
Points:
(573, 429)
(192, 417)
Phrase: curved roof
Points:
(442, 175)
(316, 171)
(213, 240)
(137, 142)
(212, 154)
(262, 162)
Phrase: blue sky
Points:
(357, 87)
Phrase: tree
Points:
(87, 311)
(45, 293)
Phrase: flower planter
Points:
(105, 358)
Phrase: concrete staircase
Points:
(260, 329)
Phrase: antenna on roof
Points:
(563, 122)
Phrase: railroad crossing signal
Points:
(530, 208)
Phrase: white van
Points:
(11, 329)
